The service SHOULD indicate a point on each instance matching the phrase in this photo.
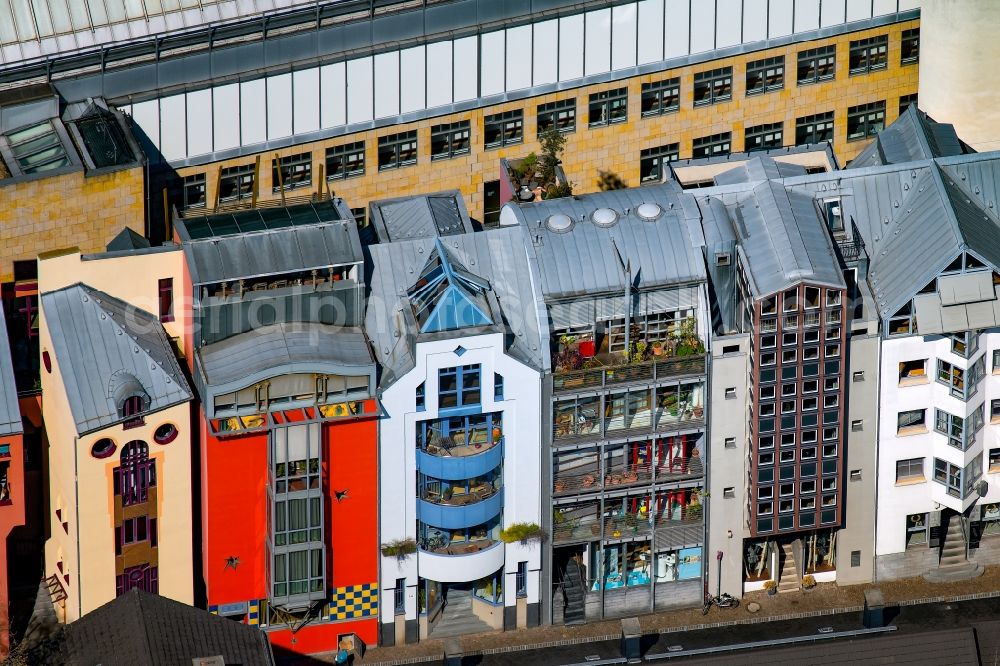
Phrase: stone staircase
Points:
(457, 618)
(788, 579)
(954, 563)
(575, 590)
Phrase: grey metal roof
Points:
(104, 346)
(250, 357)
(423, 216)
(220, 250)
(784, 240)
(757, 169)
(10, 414)
(499, 256)
(583, 260)
(127, 239)
(911, 137)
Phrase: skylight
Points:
(447, 297)
(38, 148)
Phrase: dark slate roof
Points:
(10, 414)
(127, 239)
(107, 348)
(911, 137)
(424, 216)
(140, 629)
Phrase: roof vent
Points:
(559, 223)
(604, 217)
(649, 211)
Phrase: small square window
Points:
(858, 376)
(808, 453)
(723, 259)
(857, 425)
(729, 493)
(855, 475)
(730, 442)
(765, 492)
(855, 558)
(731, 393)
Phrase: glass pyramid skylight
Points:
(447, 297)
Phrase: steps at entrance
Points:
(573, 588)
(953, 564)
(788, 579)
(457, 618)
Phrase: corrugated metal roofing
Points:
(583, 260)
(291, 249)
(100, 343)
(283, 349)
(498, 256)
(10, 414)
(424, 216)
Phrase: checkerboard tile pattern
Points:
(353, 602)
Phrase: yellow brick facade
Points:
(67, 210)
(615, 148)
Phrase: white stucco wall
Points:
(521, 463)
(895, 502)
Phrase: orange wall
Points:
(322, 636)
(351, 463)
(234, 518)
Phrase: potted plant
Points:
(771, 587)
(808, 582)
(399, 548)
(497, 434)
(658, 348)
(522, 532)
(559, 485)
(446, 494)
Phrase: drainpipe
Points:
(76, 489)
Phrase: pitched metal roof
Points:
(784, 240)
(578, 256)
(142, 628)
(499, 257)
(127, 239)
(10, 414)
(424, 216)
(105, 349)
(912, 137)
(287, 348)
(758, 169)
(269, 241)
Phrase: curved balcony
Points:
(450, 565)
(458, 513)
(460, 462)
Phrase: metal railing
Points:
(677, 469)
(654, 370)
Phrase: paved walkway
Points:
(825, 599)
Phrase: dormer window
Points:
(131, 410)
(834, 216)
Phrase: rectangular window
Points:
(608, 107)
(491, 203)
(420, 397)
(868, 55)
(712, 146)
(913, 418)
(360, 216)
(521, 579)
(397, 150)
(560, 116)
(653, 161)
(503, 129)
(38, 148)
(450, 140)
(814, 129)
(236, 183)
(166, 297)
(661, 97)
(909, 52)
(905, 101)
(949, 476)
(817, 65)
(346, 161)
(292, 172)
(762, 137)
(459, 386)
(995, 411)
(994, 460)
(765, 75)
(497, 386)
(713, 86)
(865, 121)
(194, 191)
(399, 596)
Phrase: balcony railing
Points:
(583, 524)
(474, 495)
(654, 370)
(457, 547)
(678, 469)
(463, 443)
(646, 420)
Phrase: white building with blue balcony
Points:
(453, 322)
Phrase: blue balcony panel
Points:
(456, 468)
(458, 517)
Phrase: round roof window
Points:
(559, 223)
(165, 434)
(649, 211)
(103, 448)
(604, 217)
